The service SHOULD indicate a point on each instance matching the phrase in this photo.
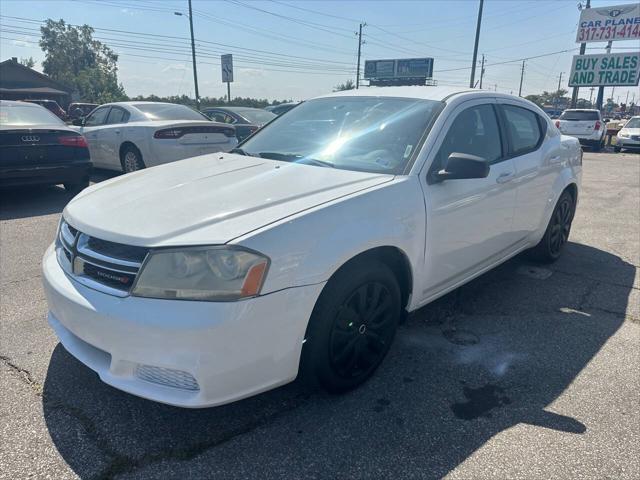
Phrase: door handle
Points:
(505, 177)
(117, 132)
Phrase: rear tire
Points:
(556, 235)
(131, 159)
(352, 327)
(597, 146)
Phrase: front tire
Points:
(131, 159)
(617, 149)
(352, 327)
(557, 232)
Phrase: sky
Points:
(293, 49)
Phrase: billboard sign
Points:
(398, 68)
(226, 62)
(605, 70)
(619, 22)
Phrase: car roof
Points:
(417, 91)
(18, 103)
(582, 110)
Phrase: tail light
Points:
(557, 123)
(598, 125)
(177, 132)
(73, 141)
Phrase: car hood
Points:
(629, 131)
(210, 199)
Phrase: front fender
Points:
(310, 247)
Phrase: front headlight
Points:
(202, 273)
(623, 135)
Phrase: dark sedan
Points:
(246, 120)
(36, 147)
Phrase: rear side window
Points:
(523, 129)
(474, 131)
(578, 115)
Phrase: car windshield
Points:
(371, 134)
(259, 117)
(14, 115)
(168, 111)
(633, 123)
(579, 115)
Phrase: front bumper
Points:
(627, 142)
(231, 350)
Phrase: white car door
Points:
(537, 156)
(469, 221)
(91, 129)
(111, 137)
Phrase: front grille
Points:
(167, 377)
(100, 264)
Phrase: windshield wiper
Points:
(294, 157)
(242, 152)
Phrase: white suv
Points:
(584, 124)
(211, 279)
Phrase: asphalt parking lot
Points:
(526, 372)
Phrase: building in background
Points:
(18, 82)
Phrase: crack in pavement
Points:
(23, 374)
(122, 464)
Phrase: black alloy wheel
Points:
(362, 331)
(560, 225)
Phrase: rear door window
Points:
(523, 128)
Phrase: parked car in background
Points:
(629, 135)
(586, 125)
(281, 108)
(52, 106)
(129, 136)
(36, 147)
(79, 110)
(246, 120)
(219, 277)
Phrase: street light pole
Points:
(475, 47)
(193, 54)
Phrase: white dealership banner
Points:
(618, 22)
(605, 70)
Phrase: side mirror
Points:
(78, 122)
(461, 166)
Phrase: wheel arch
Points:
(394, 258)
(124, 145)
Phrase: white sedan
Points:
(129, 136)
(300, 252)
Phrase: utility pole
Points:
(601, 89)
(193, 54)
(495, 87)
(475, 46)
(557, 97)
(591, 95)
(360, 42)
(521, 78)
(583, 46)
(482, 71)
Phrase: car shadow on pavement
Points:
(491, 355)
(34, 201)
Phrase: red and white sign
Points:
(619, 22)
